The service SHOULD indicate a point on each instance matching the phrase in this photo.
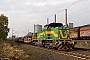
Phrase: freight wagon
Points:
(74, 33)
(27, 40)
(85, 32)
(81, 35)
(24, 39)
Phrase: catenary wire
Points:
(80, 15)
(66, 8)
(35, 11)
(38, 8)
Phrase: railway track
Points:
(81, 54)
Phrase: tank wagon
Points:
(54, 35)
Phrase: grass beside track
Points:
(9, 49)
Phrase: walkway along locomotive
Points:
(54, 35)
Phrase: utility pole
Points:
(17, 33)
(28, 32)
(12, 33)
(34, 28)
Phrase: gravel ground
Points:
(44, 54)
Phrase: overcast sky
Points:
(23, 14)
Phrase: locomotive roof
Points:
(54, 25)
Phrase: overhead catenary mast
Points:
(34, 28)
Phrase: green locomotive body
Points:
(55, 35)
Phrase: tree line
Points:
(3, 27)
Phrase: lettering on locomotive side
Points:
(64, 34)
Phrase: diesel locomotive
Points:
(54, 35)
